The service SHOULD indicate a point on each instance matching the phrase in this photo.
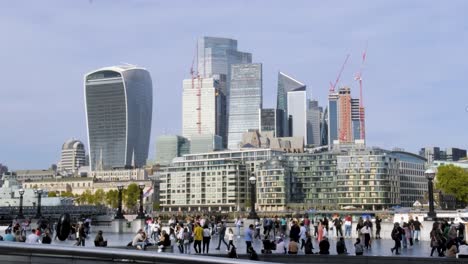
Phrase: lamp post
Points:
(430, 175)
(141, 214)
(119, 214)
(20, 214)
(39, 196)
(252, 181)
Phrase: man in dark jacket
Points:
(324, 246)
(397, 233)
(222, 233)
(294, 232)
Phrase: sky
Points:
(414, 79)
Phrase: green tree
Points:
(66, 194)
(99, 197)
(131, 196)
(453, 180)
(112, 198)
(52, 194)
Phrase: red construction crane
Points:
(333, 85)
(358, 78)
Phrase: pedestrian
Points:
(238, 224)
(188, 239)
(341, 247)
(378, 227)
(222, 234)
(320, 231)
(358, 247)
(248, 238)
(283, 223)
(315, 223)
(396, 236)
(324, 246)
(180, 238)
(308, 245)
(33, 238)
(307, 223)
(365, 231)
(80, 235)
(198, 237)
(359, 226)
(417, 229)
(257, 228)
(348, 226)
(206, 238)
(230, 235)
(337, 222)
(303, 235)
(295, 231)
(46, 239)
(436, 239)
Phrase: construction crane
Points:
(198, 92)
(358, 78)
(333, 85)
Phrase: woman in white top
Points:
(230, 235)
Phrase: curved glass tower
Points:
(119, 103)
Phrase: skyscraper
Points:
(345, 132)
(203, 107)
(246, 99)
(285, 84)
(170, 146)
(356, 118)
(73, 156)
(119, 103)
(314, 115)
(332, 118)
(270, 120)
(297, 110)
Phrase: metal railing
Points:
(29, 253)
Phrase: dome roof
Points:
(72, 144)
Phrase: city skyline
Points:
(413, 71)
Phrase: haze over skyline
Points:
(414, 78)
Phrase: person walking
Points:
(295, 231)
(222, 234)
(315, 222)
(249, 237)
(180, 235)
(257, 229)
(337, 222)
(206, 238)
(188, 239)
(348, 226)
(238, 224)
(230, 235)
(378, 227)
(81, 236)
(198, 237)
(417, 229)
(303, 234)
(365, 231)
(436, 239)
(396, 236)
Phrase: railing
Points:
(14, 252)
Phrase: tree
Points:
(131, 195)
(112, 198)
(99, 197)
(453, 180)
(52, 194)
(66, 194)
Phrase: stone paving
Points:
(379, 247)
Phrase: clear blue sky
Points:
(415, 78)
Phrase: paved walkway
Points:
(379, 247)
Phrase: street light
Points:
(141, 214)
(39, 196)
(252, 214)
(430, 175)
(119, 214)
(20, 214)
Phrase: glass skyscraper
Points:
(119, 103)
(332, 118)
(246, 100)
(170, 146)
(297, 110)
(285, 84)
(314, 113)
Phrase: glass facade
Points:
(269, 120)
(171, 146)
(314, 113)
(413, 182)
(285, 84)
(332, 118)
(273, 185)
(297, 110)
(246, 100)
(119, 103)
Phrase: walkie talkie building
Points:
(119, 103)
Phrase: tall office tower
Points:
(246, 99)
(430, 154)
(119, 103)
(314, 116)
(270, 120)
(285, 84)
(332, 118)
(170, 146)
(73, 156)
(356, 119)
(455, 154)
(324, 127)
(215, 57)
(297, 110)
(345, 132)
(203, 107)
